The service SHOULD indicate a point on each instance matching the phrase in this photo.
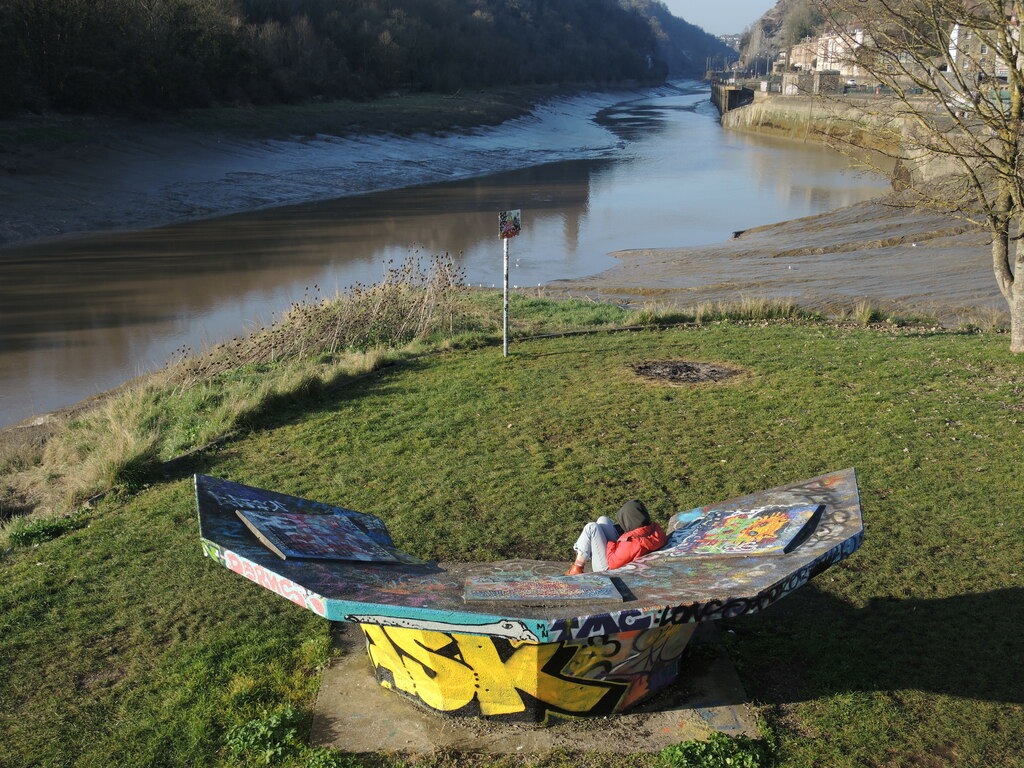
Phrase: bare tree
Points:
(954, 72)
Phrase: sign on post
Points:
(509, 225)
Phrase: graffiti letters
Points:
(283, 586)
(498, 677)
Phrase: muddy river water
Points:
(78, 316)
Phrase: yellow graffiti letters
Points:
(449, 671)
(417, 668)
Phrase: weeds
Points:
(265, 740)
(746, 309)
(274, 739)
(749, 308)
(29, 533)
(719, 751)
(985, 319)
(866, 313)
(412, 302)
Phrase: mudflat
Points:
(63, 175)
(904, 260)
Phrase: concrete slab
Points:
(354, 714)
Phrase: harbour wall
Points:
(728, 97)
(849, 123)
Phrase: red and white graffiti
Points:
(275, 582)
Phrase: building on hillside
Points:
(976, 51)
(973, 53)
(804, 55)
(836, 51)
(833, 51)
(733, 41)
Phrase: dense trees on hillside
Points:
(683, 47)
(129, 54)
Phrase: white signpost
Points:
(509, 225)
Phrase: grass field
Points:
(121, 645)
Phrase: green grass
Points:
(319, 345)
(121, 645)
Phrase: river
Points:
(78, 316)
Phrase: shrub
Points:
(866, 313)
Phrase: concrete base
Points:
(355, 714)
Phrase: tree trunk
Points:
(1017, 320)
(1011, 288)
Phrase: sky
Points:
(720, 18)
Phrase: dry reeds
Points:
(746, 308)
(196, 399)
(413, 301)
(989, 319)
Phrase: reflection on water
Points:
(77, 317)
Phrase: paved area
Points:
(354, 714)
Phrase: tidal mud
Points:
(903, 260)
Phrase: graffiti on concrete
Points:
(326, 537)
(507, 628)
(758, 531)
(265, 578)
(525, 658)
(499, 678)
(697, 611)
(657, 590)
(514, 586)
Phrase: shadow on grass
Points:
(283, 410)
(812, 645)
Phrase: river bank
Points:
(905, 261)
(856, 124)
(828, 261)
(62, 176)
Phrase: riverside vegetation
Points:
(318, 344)
(122, 645)
(125, 56)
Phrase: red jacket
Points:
(630, 545)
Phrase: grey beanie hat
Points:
(632, 515)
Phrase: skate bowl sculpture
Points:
(517, 640)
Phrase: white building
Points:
(836, 52)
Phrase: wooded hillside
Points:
(116, 55)
(683, 47)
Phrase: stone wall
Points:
(854, 123)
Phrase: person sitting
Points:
(609, 545)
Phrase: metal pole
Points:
(504, 334)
